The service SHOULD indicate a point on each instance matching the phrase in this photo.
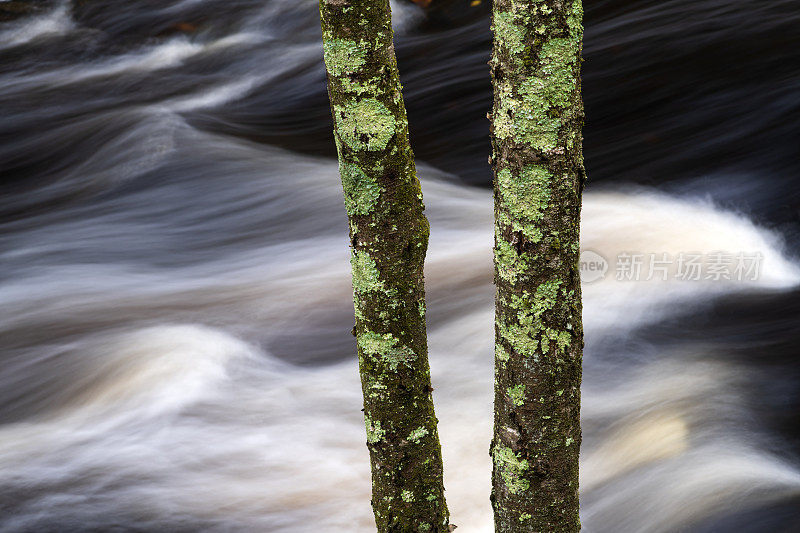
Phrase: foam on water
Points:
(177, 302)
(233, 437)
(57, 22)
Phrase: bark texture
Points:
(537, 159)
(389, 238)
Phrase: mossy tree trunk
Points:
(389, 237)
(537, 158)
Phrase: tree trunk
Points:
(537, 159)
(389, 237)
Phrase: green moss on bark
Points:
(512, 469)
(386, 347)
(343, 56)
(361, 193)
(364, 124)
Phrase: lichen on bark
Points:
(389, 238)
(537, 117)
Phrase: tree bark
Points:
(389, 238)
(537, 160)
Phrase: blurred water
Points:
(175, 284)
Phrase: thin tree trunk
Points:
(389, 237)
(538, 165)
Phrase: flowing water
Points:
(175, 287)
